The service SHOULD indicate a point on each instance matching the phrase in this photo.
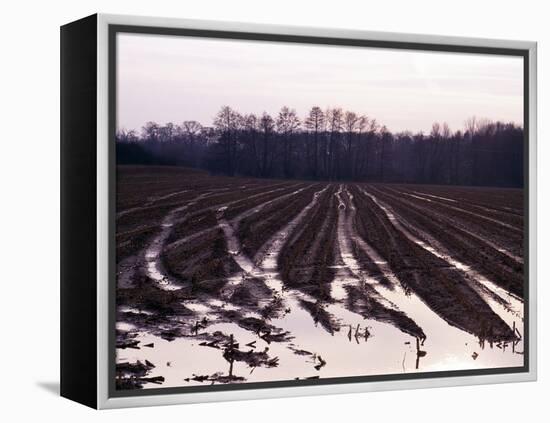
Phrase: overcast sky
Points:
(172, 79)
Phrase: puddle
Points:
(153, 264)
(509, 308)
(355, 346)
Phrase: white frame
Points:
(103, 352)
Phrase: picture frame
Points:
(89, 111)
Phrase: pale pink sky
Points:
(171, 79)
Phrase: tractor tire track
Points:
(504, 304)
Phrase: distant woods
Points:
(332, 145)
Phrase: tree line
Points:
(333, 145)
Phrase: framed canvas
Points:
(253, 211)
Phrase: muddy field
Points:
(234, 280)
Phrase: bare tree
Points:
(445, 131)
(267, 126)
(445, 154)
(250, 124)
(287, 124)
(315, 123)
(351, 121)
(436, 130)
(227, 123)
(150, 131)
(368, 149)
(126, 136)
(455, 157)
(334, 145)
(470, 127)
(335, 125)
(362, 123)
(385, 140)
(191, 130)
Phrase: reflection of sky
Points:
(165, 78)
(387, 351)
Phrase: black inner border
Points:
(113, 30)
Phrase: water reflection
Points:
(292, 335)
